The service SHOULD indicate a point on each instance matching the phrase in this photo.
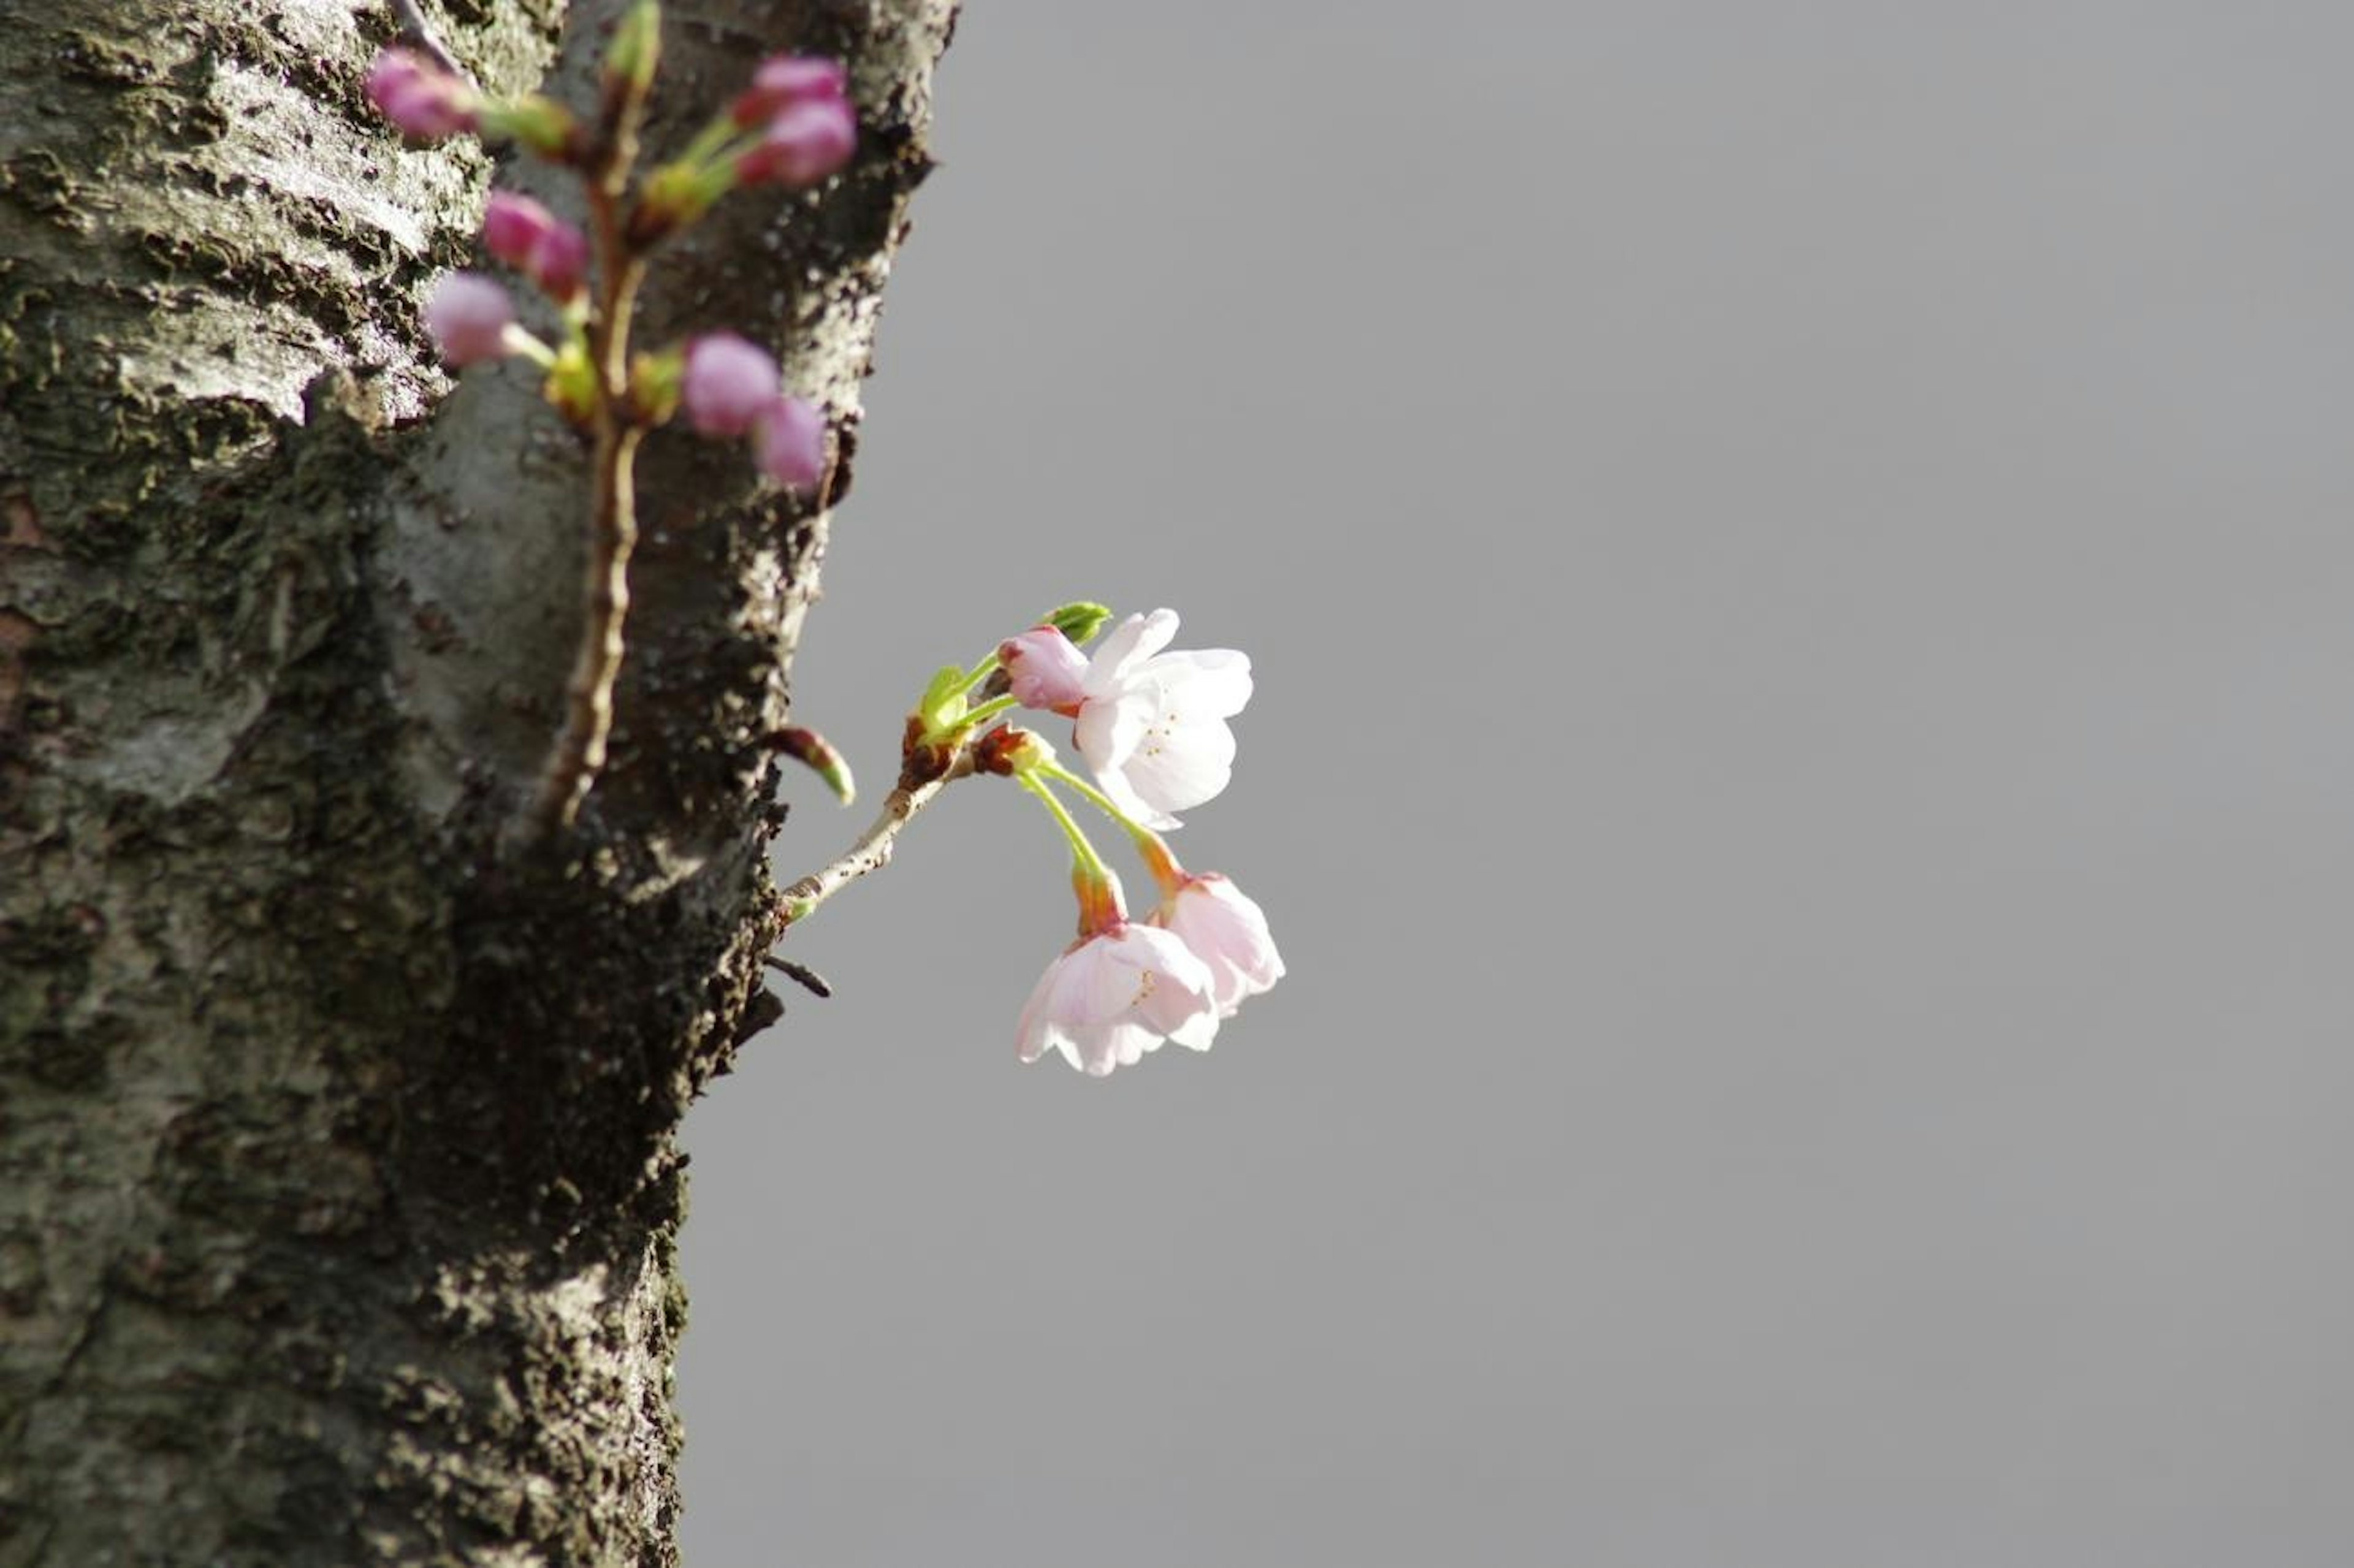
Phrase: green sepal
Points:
(1079, 620)
(571, 383)
(636, 49)
(655, 380)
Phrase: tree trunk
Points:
(339, 1187)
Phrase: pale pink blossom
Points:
(806, 144)
(783, 81)
(419, 97)
(1153, 724)
(790, 439)
(536, 243)
(1225, 928)
(730, 382)
(1044, 668)
(1115, 995)
(470, 318)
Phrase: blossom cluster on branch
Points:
(792, 127)
(1151, 724)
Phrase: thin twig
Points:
(418, 32)
(578, 756)
(871, 851)
(807, 978)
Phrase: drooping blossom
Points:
(730, 383)
(420, 98)
(1225, 928)
(1044, 668)
(788, 437)
(470, 318)
(1116, 994)
(1153, 724)
(807, 143)
(536, 243)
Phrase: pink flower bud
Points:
(806, 144)
(729, 384)
(790, 437)
(785, 79)
(419, 97)
(470, 317)
(536, 243)
(1044, 668)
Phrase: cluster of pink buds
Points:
(794, 127)
(731, 389)
(808, 130)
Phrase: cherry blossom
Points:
(1224, 928)
(1152, 725)
(1115, 995)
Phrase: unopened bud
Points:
(421, 98)
(470, 317)
(731, 382)
(1008, 750)
(808, 747)
(789, 437)
(635, 51)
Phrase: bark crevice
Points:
(338, 1181)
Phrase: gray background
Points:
(1797, 560)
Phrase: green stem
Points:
(1155, 848)
(1084, 858)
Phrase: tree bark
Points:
(339, 1187)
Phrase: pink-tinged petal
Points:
(1034, 1035)
(1127, 645)
(1228, 931)
(1043, 667)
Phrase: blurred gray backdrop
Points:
(1800, 564)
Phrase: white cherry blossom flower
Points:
(1152, 725)
(1115, 996)
(1225, 928)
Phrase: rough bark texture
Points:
(338, 1188)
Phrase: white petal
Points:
(1181, 760)
(1214, 682)
(1127, 644)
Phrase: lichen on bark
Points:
(338, 1187)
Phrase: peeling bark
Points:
(338, 1180)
